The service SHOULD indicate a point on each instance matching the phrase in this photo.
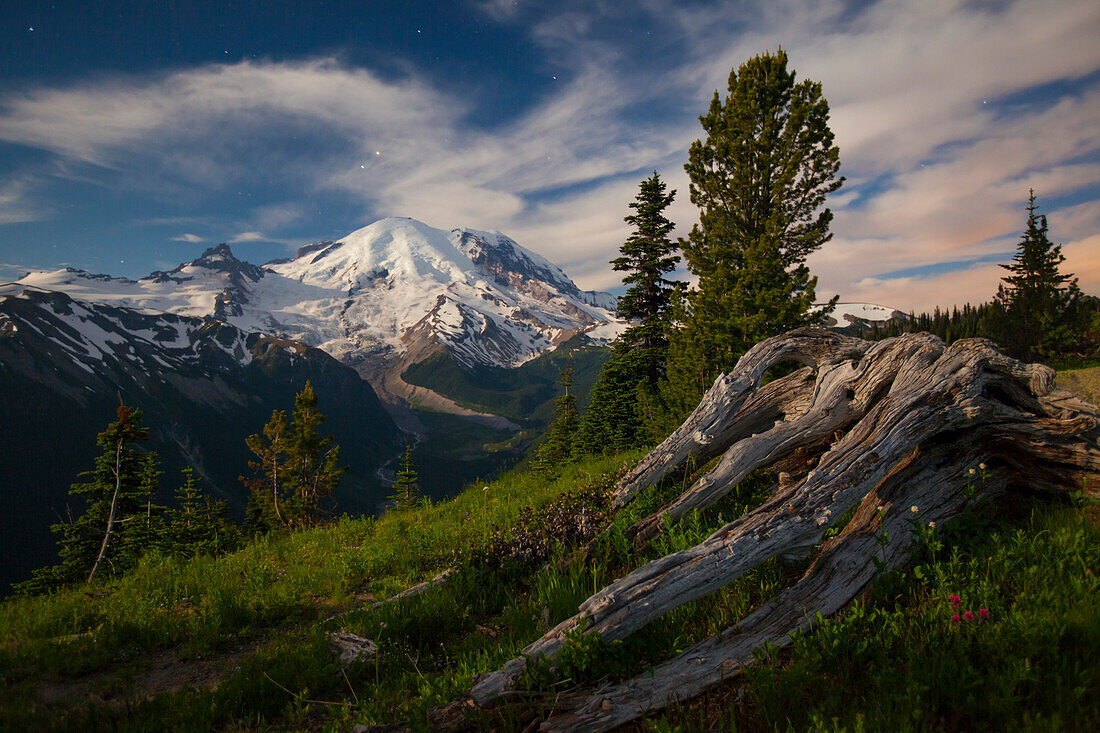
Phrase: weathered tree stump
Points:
(884, 426)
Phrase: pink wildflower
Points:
(955, 619)
(968, 616)
(983, 613)
(955, 600)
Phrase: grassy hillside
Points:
(241, 642)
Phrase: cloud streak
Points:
(944, 114)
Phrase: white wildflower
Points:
(972, 472)
(914, 509)
(931, 525)
(981, 466)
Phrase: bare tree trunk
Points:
(110, 515)
(895, 428)
(275, 485)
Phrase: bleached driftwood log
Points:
(886, 426)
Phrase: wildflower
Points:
(955, 619)
(983, 613)
(956, 601)
(981, 466)
(968, 616)
(914, 509)
(972, 472)
(931, 525)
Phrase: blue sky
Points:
(133, 135)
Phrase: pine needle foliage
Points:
(200, 525)
(558, 447)
(759, 178)
(295, 468)
(1039, 305)
(613, 421)
(118, 521)
(647, 255)
(406, 489)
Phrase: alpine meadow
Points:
(806, 440)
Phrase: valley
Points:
(208, 349)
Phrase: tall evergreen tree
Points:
(295, 467)
(612, 421)
(557, 447)
(406, 489)
(118, 497)
(314, 463)
(267, 484)
(1039, 305)
(759, 178)
(647, 255)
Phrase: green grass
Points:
(894, 660)
(276, 589)
(1083, 382)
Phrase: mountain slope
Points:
(202, 385)
(855, 318)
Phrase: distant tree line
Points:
(1037, 314)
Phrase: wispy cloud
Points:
(934, 105)
(16, 204)
(249, 237)
(188, 237)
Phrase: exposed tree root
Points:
(887, 426)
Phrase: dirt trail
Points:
(162, 671)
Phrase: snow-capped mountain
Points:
(855, 317)
(397, 290)
(210, 286)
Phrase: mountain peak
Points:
(388, 291)
(400, 285)
(218, 258)
(217, 253)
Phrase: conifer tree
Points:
(267, 484)
(612, 422)
(314, 462)
(295, 467)
(1038, 305)
(200, 525)
(759, 178)
(118, 497)
(557, 447)
(647, 255)
(406, 489)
